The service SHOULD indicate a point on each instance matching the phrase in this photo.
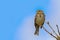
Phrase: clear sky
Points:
(17, 16)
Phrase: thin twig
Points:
(49, 32)
(58, 29)
(52, 29)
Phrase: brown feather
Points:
(39, 21)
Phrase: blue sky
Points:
(14, 13)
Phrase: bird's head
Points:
(40, 13)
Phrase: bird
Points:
(39, 21)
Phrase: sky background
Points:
(17, 18)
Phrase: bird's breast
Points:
(39, 20)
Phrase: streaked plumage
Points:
(39, 21)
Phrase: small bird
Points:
(39, 21)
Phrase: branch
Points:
(52, 28)
(49, 32)
(58, 29)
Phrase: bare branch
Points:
(52, 28)
(58, 29)
(49, 32)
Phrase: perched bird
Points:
(39, 21)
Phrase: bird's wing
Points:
(35, 21)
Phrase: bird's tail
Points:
(36, 31)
